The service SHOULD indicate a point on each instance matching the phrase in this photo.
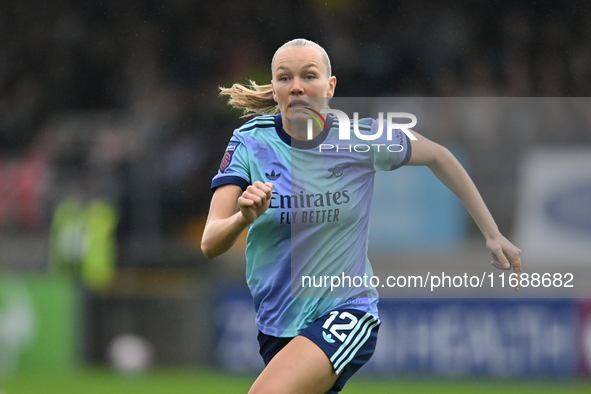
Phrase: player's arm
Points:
(230, 212)
(451, 173)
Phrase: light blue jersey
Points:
(317, 224)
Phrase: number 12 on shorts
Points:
(340, 327)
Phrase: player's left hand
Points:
(505, 255)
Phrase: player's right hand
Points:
(255, 200)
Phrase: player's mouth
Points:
(298, 103)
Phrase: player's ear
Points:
(332, 83)
(274, 94)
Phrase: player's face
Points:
(300, 79)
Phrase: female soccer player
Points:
(307, 211)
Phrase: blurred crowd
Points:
(118, 99)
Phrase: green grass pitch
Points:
(95, 381)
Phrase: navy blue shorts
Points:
(347, 336)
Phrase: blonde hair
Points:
(256, 99)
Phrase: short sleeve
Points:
(234, 168)
(393, 152)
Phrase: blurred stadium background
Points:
(111, 130)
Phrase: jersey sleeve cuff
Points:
(229, 180)
(408, 154)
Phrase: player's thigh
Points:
(300, 367)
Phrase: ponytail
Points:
(253, 100)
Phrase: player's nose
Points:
(297, 87)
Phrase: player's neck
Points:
(299, 130)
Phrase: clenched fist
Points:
(255, 200)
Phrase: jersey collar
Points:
(295, 143)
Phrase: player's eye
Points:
(310, 76)
(284, 79)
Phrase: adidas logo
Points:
(272, 176)
(327, 337)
